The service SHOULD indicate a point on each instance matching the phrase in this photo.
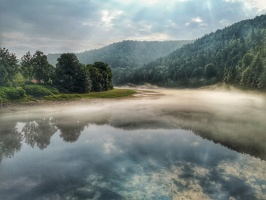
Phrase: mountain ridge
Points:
(127, 53)
(234, 55)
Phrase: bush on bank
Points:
(39, 91)
(11, 94)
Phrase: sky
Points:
(57, 26)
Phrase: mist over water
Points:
(152, 146)
(233, 118)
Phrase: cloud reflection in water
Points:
(137, 149)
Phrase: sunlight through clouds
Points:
(93, 24)
(197, 20)
(250, 5)
(108, 16)
(257, 4)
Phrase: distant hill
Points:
(126, 53)
(234, 55)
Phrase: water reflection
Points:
(144, 149)
(111, 163)
(10, 139)
(38, 132)
(70, 130)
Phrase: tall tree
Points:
(27, 69)
(41, 67)
(101, 76)
(3, 75)
(71, 75)
(8, 66)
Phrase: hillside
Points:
(126, 53)
(234, 55)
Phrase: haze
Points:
(230, 117)
(75, 26)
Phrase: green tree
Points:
(101, 76)
(27, 69)
(247, 60)
(71, 75)
(210, 71)
(18, 80)
(8, 65)
(253, 75)
(96, 78)
(41, 67)
(3, 75)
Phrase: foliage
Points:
(18, 80)
(27, 68)
(126, 53)
(8, 94)
(210, 71)
(8, 66)
(115, 93)
(43, 71)
(3, 75)
(71, 75)
(101, 77)
(38, 91)
(52, 89)
(234, 55)
(11, 94)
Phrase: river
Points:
(160, 144)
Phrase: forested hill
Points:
(126, 53)
(235, 55)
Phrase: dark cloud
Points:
(65, 25)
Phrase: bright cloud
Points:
(197, 20)
(108, 16)
(259, 5)
(65, 26)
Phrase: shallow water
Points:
(134, 149)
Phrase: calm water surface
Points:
(67, 157)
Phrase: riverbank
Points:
(63, 99)
(235, 119)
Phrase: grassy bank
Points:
(41, 92)
(115, 93)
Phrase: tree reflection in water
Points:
(10, 139)
(70, 132)
(232, 131)
(39, 132)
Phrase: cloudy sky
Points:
(78, 25)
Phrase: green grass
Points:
(10, 94)
(38, 92)
(115, 93)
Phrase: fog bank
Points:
(233, 118)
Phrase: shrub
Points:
(10, 93)
(37, 91)
(29, 83)
(52, 89)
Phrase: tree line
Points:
(127, 53)
(234, 55)
(68, 76)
